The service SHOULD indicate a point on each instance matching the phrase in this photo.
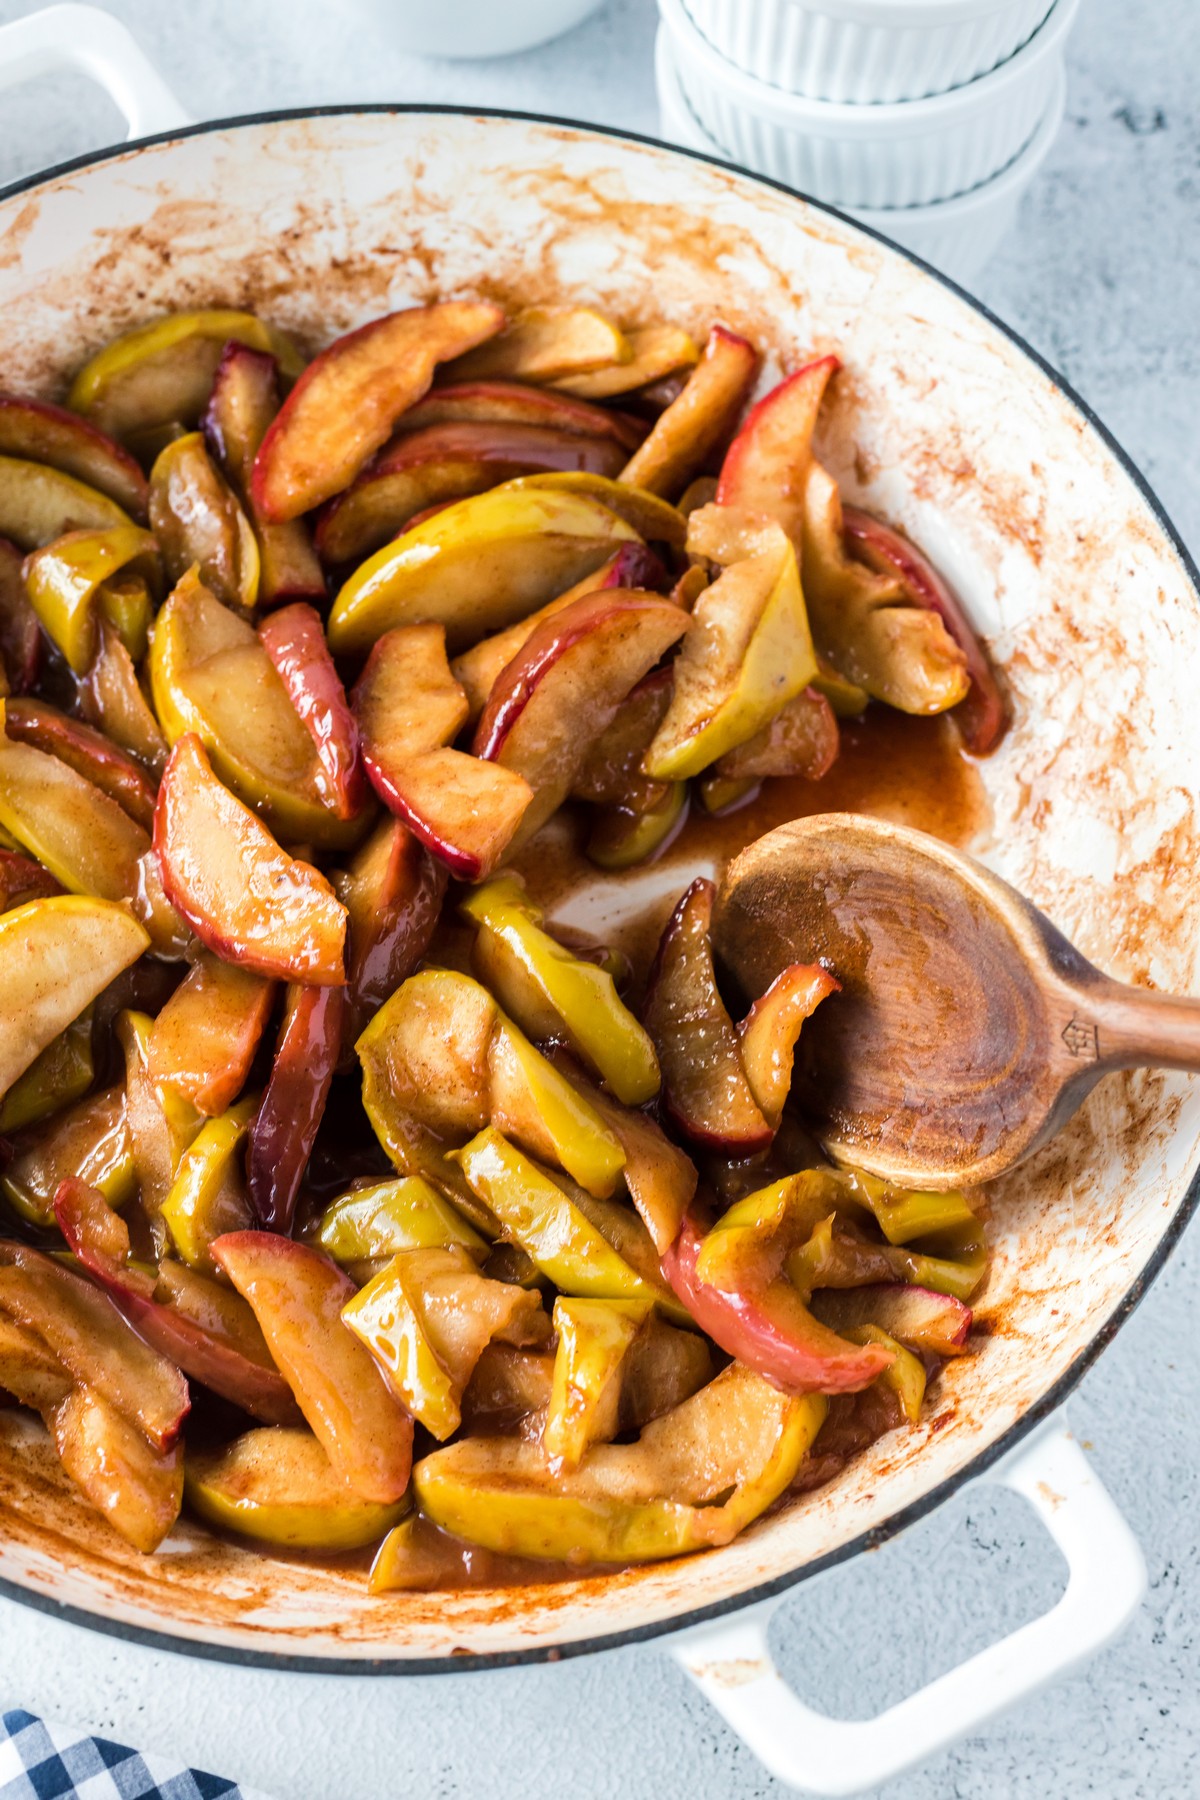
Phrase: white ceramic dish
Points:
(867, 51)
(461, 28)
(949, 425)
(906, 154)
(957, 236)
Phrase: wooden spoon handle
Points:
(1118, 1027)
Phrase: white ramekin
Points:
(957, 236)
(867, 51)
(903, 154)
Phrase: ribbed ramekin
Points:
(957, 236)
(903, 154)
(867, 51)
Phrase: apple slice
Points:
(864, 622)
(653, 519)
(56, 955)
(245, 398)
(88, 752)
(544, 343)
(801, 741)
(685, 435)
(22, 879)
(70, 587)
(111, 697)
(138, 1489)
(217, 1343)
(90, 1139)
(620, 839)
(346, 402)
(392, 892)
(519, 403)
(205, 1037)
(705, 1089)
(371, 1223)
(768, 1328)
(62, 1073)
(163, 372)
(285, 1130)
(564, 689)
(750, 651)
(656, 351)
(38, 504)
(466, 812)
(207, 1197)
(766, 465)
(83, 837)
(611, 775)
(448, 462)
(406, 700)
(594, 1339)
(20, 633)
(936, 1324)
(477, 565)
(634, 565)
(983, 715)
(279, 1487)
(769, 1032)
(195, 515)
(242, 895)
(297, 1296)
(210, 674)
(38, 431)
(96, 1344)
(294, 639)
(160, 1123)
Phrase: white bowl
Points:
(957, 236)
(867, 51)
(903, 154)
(476, 27)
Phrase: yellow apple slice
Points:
(278, 1485)
(655, 351)
(55, 957)
(38, 504)
(477, 566)
(67, 580)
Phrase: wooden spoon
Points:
(968, 1029)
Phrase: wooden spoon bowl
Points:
(968, 1029)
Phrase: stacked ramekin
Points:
(925, 118)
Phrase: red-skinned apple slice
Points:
(56, 955)
(244, 897)
(38, 504)
(204, 1039)
(40, 432)
(983, 716)
(802, 740)
(392, 892)
(477, 669)
(612, 774)
(285, 1130)
(464, 810)
(294, 639)
(94, 1341)
(769, 1031)
(85, 839)
(238, 1366)
(770, 1331)
(406, 700)
(685, 435)
(448, 462)
(20, 633)
(22, 880)
(297, 1296)
(766, 465)
(925, 1321)
(519, 403)
(344, 405)
(705, 1089)
(563, 689)
(88, 752)
(245, 398)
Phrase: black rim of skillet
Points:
(1042, 1409)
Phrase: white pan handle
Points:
(731, 1662)
(87, 38)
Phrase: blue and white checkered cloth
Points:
(44, 1761)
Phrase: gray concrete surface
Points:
(1102, 276)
